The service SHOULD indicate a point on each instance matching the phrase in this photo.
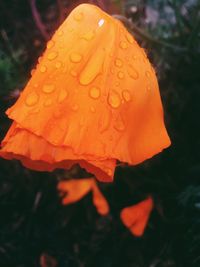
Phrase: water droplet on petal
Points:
(39, 59)
(101, 22)
(58, 64)
(123, 45)
(126, 95)
(114, 99)
(132, 72)
(148, 88)
(43, 69)
(94, 92)
(92, 109)
(60, 33)
(104, 121)
(52, 55)
(75, 107)
(119, 124)
(118, 62)
(48, 88)
(88, 36)
(129, 38)
(73, 73)
(48, 102)
(120, 75)
(93, 68)
(62, 95)
(148, 74)
(50, 44)
(75, 57)
(32, 72)
(32, 99)
(78, 16)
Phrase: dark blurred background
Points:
(35, 229)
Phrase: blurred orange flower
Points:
(77, 189)
(136, 217)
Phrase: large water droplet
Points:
(104, 121)
(58, 65)
(78, 16)
(88, 36)
(75, 57)
(93, 68)
(118, 62)
(48, 88)
(101, 22)
(148, 74)
(75, 107)
(92, 109)
(48, 102)
(32, 99)
(52, 55)
(129, 38)
(120, 75)
(119, 124)
(132, 72)
(94, 92)
(43, 68)
(114, 99)
(123, 44)
(126, 95)
(62, 95)
(50, 44)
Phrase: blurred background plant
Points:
(35, 230)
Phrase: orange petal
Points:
(93, 99)
(77, 189)
(136, 217)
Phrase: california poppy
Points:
(76, 189)
(136, 217)
(93, 99)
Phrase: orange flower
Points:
(77, 189)
(136, 217)
(93, 99)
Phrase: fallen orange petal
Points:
(77, 189)
(136, 217)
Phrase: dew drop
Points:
(60, 33)
(62, 95)
(101, 22)
(92, 109)
(48, 102)
(52, 55)
(93, 68)
(58, 64)
(48, 88)
(78, 16)
(109, 172)
(73, 73)
(50, 44)
(118, 62)
(147, 73)
(88, 36)
(114, 99)
(123, 45)
(32, 72)
(39, 59)
(126, 95)
(43, 69)
(32, 99)
(132, 72)
(94, 92)
(75, 107)
(75, 57)
(120, 75)
(104, 121)
(129, 38)
(112, 71)
(148, 88)
(119, 124)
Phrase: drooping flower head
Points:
(93, 99)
